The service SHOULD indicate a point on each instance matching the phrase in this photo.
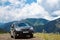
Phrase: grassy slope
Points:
(2, 32)
(46, 36)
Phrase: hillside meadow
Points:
(48, 36)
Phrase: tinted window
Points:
(22, 24)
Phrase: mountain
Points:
(37, 23)
(7, 26)
(1, 25)
(53, 26)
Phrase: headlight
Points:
(17, 29)
(31, 28)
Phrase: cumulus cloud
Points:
(29, 11)
(18, 10)
(33, 11)
(39, 1)
(56, 13)
(51, 5)
(13, 3)
(8, 13)
(52, 2)
(18, 2)
(6, 16)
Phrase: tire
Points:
(11, 36)
(31, 35)
(15, 36)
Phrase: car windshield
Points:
(21, 24)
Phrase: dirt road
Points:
(7, 37)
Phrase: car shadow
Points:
(25, 37)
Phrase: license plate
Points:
(25, 32)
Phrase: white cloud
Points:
(11, 13)
(34, 11)
(8, 13)
(39, 1)
(13, 3)
(29, 11)
(52, 3)
(4, 0)
(21, 2)
(57, 13)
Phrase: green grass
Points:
(2, 32)
(48, 36)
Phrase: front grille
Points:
(25, 29)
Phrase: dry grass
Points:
(46, 36)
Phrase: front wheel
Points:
(11, 36)
(15, 36)
(31, 35)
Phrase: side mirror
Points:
(12, 26)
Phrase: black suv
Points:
(21, 30)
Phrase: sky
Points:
(15, 10)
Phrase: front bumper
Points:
(24, 32)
